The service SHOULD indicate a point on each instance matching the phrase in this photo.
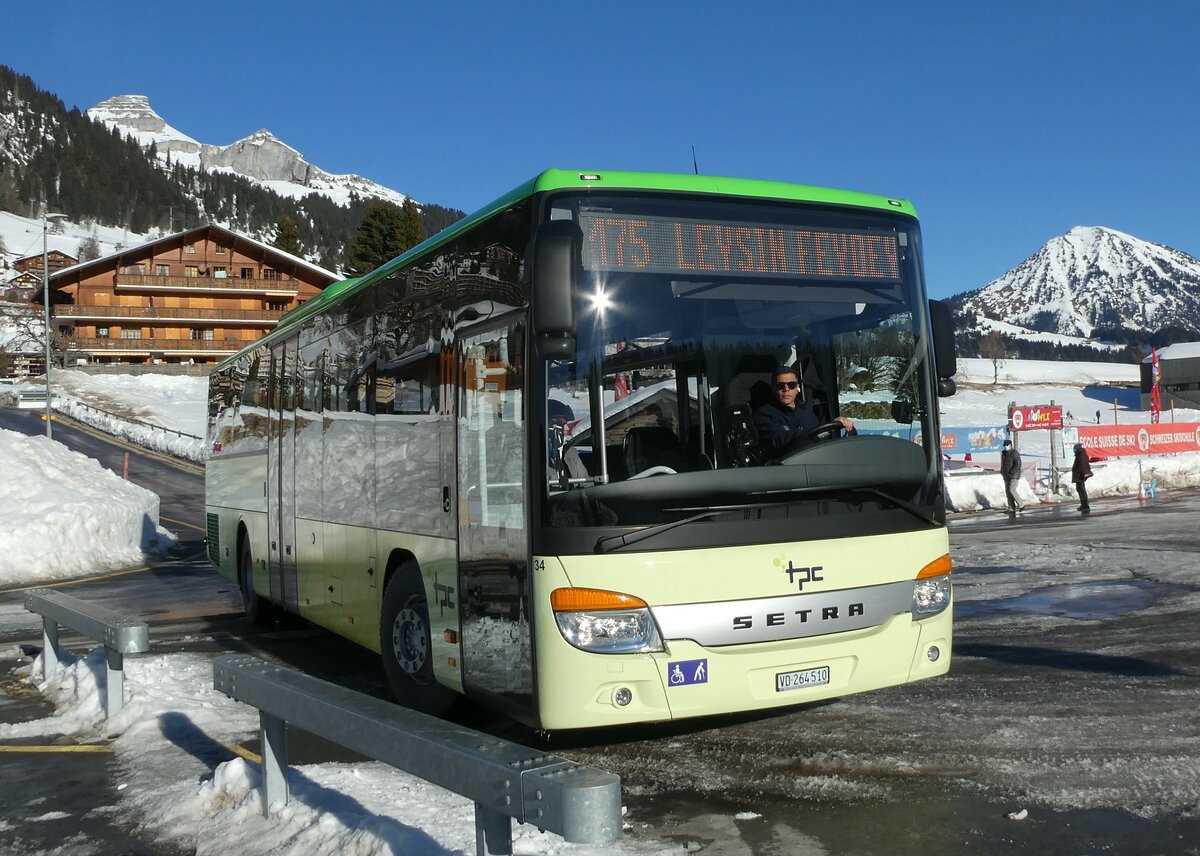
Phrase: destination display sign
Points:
(622, 242)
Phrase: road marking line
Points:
(74, 582)
(87, 747)
(182, 523)
(245, 753)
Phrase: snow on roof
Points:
(1178, 351)
(102, 261)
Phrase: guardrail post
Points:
(118, 635)
(493, 832)
(49, 647)
(114, 690)
(274, 763)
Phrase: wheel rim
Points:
(410, 641)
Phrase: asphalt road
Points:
(1073, 695)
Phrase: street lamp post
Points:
(46, 304)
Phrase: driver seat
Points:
(748, 389)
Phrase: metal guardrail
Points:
(118, 634)
(505, 780)
(136, 421)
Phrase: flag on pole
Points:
(1155, 396)
(621, 381)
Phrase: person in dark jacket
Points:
(781, 422)
(1081, 471)
(1010, 469)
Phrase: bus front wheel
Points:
(406, 645)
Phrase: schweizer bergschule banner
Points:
(1163, 438)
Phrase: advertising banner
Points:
(959, 441)
(1161, 439)
(1031, 418)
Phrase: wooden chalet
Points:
(192, 297)
(57, 259)
(23, 286)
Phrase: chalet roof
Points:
(36, 258)
(249, 246)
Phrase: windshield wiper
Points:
(615, 542)
(914, 510)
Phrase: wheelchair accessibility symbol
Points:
(683, 673)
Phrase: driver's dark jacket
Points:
(779, 427)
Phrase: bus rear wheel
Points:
(257, 608)
(406, 644)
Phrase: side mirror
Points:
(902, 411)
(555, 260)
(941, 325)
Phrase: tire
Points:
(257, 608)
(406, 646)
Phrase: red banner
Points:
(1030, 418)
(1161, 439)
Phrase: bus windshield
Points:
(684, 310)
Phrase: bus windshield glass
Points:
(686, 311)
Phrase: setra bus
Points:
(519, 460)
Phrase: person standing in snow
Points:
(1010, 470)
(1081, 471)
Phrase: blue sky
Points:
(1005, 123)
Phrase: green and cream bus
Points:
(519, 460)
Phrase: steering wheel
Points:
(834, 429)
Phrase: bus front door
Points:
(492, 534)
(281, 477)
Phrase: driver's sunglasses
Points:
(787, 384)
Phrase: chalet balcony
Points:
(263, 317)
(213, 284)
(168, 346)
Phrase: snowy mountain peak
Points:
(1094, 277)
(134, 115)
(261, 156)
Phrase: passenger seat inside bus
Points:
(654, 446)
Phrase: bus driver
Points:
(781, 423)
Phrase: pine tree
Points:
(412, 226)
(379, 239)
(89, 248)
(287, 236)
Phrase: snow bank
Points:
(66, 515)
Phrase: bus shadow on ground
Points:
(1076, 661)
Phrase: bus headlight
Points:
(932, 589)
(931, 596)
(605, 622)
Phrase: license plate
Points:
(802, 678)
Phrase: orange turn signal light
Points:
(587, 600)
(936, 568)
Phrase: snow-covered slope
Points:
(1095, 277)
(261, 156)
